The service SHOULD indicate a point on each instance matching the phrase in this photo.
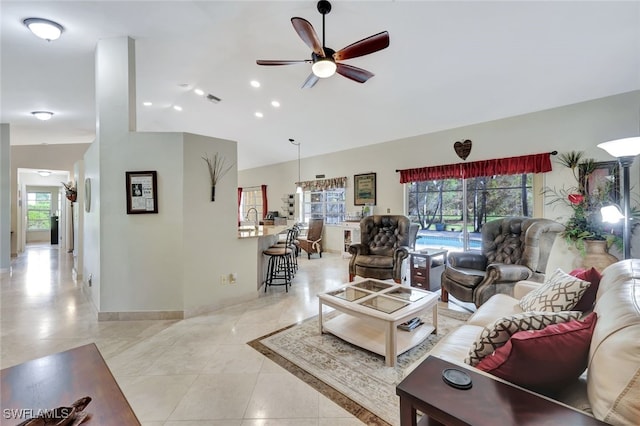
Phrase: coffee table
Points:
(371, 311)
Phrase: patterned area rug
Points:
(354, 378)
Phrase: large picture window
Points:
(438, 205)
(328, 205)
(38, 211)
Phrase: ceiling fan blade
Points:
(308, 35)
(354, 73)
(363, 47)
(310, 81)
(282, 62)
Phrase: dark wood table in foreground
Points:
(60, 379)
(488, 402)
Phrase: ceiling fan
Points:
(326, 61)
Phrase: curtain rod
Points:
(551, 153)
(252, 187)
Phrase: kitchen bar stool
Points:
(280, 264)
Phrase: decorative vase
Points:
(597, 255)
(213, 193)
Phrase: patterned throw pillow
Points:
(497, 334)
(561, 292)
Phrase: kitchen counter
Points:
(262, 231)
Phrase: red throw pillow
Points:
(589, 297)
(546, 360)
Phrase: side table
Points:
(426, 266)
(488, 402)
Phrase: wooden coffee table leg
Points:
(390, 345)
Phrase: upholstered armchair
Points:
(385, 242)
(312, 242)
(513, 249)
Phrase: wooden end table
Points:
(488, 402)
(58, 380)
(426, 266)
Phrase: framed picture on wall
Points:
(142, 192)
(364, 186)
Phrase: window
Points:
(328, 205)
(438, 204)
(38, 211)
(251, 198)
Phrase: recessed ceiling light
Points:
(255, 83)
(177, 107)
(42, 115)
(275, 104)
(43, 28)
(198, 92)
(259, 114)
(43, 173)
(147, 103)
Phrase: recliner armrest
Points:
(358, 249)
(502, 272)
(401, 253)
(470, 260)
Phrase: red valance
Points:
(534, 163)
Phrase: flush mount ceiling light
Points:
(44, 28)
(42, 115)
(44, 173)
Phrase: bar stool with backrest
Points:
(280, 264)
(294, 245)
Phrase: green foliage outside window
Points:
(38, 211)
(438, 205)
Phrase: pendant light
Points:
(299, 185)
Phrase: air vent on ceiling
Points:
(213, 99)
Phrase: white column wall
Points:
(210, 238)
(91, 245)
(5, 198)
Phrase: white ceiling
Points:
(449, 64)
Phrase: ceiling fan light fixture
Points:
(44, 28)
(42, 115)
(324, 68)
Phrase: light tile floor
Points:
(197, 371)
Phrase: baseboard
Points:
(137, 316)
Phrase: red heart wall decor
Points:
(462, 148)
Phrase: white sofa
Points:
(610, 388)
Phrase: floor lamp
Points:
(625, 150)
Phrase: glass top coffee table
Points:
(371, 311)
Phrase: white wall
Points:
(5, 198)
(575, 127)
(91, 250)
(211, 246)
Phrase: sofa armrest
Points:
(523, 287)
(465, 259)
(502, 272)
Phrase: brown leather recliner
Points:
(385, 241)
(513, 249)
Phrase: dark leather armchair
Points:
(513, 249)
(385, 242)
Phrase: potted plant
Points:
(584, 229)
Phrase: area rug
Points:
(354, 378)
